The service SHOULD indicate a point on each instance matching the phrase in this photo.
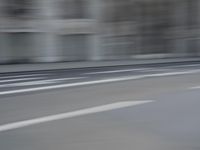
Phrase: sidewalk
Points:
(73, 65)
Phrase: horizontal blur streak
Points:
(84, 30)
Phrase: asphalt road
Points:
(114, 108)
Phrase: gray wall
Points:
(99, 30)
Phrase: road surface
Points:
(109, 108)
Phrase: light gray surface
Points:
(171, 122)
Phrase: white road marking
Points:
(27, 83)
(194, 88)
(96, 82)
(115, 71)
(18, 76)
(72, 114)
(40, 82)
(174, 73)
(160, 69)
(175, 66)
(192, 65)
(21, 79)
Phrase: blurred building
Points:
(83, 30)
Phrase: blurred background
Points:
(61, 60)
(92, 30)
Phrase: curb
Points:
(14, 68)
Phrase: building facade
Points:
(87, 30)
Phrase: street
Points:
(114, 108)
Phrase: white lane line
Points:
(193, 65)
(194, 88)
(161, 69)
(96, 82)
(18, 76)
(176, 66)
(21, 79)
(115, 71)
(72, 114)
(27, 83)
(40, 82)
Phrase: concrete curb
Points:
(91, 64)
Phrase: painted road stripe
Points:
(25, 84)
(194, 88)
(96, 82)
(72, 114)
(115, 71)
(20, 76)
(40, 82)
(192, 65)
(160, 69)
(21, 79)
